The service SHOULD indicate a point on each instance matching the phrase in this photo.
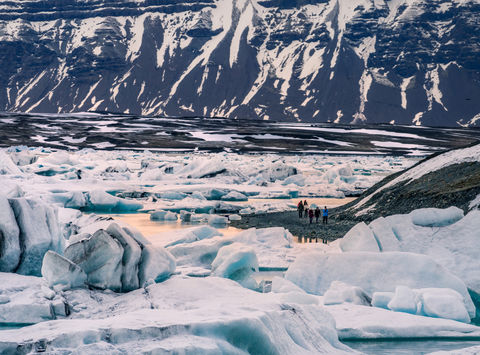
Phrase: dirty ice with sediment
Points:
(77, 278)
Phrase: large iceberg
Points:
(449, 239)
(28, 229)
(374, 272)
(183, 315)
(113, 258)
(237, 262)
(9, 238)
(99, 200)
(61, 273)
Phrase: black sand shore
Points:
(336, 228)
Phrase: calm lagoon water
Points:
(409, 346)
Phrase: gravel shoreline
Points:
(336, 228)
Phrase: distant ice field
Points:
(113, 131)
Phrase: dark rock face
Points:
(294, 60)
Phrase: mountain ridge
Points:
(361, 61)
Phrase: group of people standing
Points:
(304, 211)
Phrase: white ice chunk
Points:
(99, 200)
(436, 217)
(59, 271)
(131, 257)
(188, 235)
(373, 272)
(404, 300)
(236, 262)
(298, 180)
(359, 322)
(454, 246)
(7, 166)
(163, 216)
(172, 195)
(340, 292)
(24, 301)
(156, 263)
(359, 238)
(384, 235)
(234, 196)
(282, 285)
(9, 238)
(199, 253)
(215, 220)
(100, 256)
(39, 232)
(381, 299)
(443, 303)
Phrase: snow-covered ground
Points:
(85, 283)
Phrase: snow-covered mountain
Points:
(399, 61)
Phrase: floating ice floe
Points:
(194, 315)
(113, 258)
(101, 201)
(354, 322)
(377, 272)
(446, 236)
(163, 216)
(175, 183)
(237, 262)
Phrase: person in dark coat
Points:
(325, 215)
(317, 214)
(305, 205)
(300, 209)
(310, 215)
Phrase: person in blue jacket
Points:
(325, 215)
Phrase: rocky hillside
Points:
(399, 61)
(442, 180)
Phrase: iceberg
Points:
(7, 166)
(215, 220)
(404, 300)
(236, 262)
(100, 256)
(314, 272)
(101, 201)
(39, 232)
(9, 238)
(359, 238)
(381, 299)
(454, 245)
(436, 217)
(163, 216)
(355, 322)
(443, 303)
(234, 196)
(340, 292)
(156, 264)
(131, 257)
(185, 315)
(61, 273)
